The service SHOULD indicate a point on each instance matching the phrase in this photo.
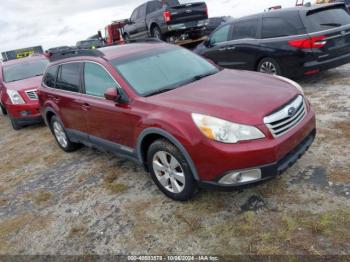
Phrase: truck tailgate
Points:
(188, 12)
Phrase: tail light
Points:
(167, 16)
(308, 43)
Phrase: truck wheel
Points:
(3, 110)
(156, 33)
(170, 171)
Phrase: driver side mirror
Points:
(112, 94)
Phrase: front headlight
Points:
(293, 83)
(225, 131)
(15, 97)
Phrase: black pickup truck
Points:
(167, 20)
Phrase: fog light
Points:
(24, 113)
(241, 177)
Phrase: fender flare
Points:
(47, 110)
(173, 140)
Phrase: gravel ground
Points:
(90, 202)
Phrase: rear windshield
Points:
(24, 70)
(163, 70)
(325, 19)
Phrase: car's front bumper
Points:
(267, 171)
(26, 114)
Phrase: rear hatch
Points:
(329, 25)
(190, 12)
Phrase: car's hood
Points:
(25, 84)
(239, 96)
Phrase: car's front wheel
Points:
(61, 136)
(269, 66)
(170, 171)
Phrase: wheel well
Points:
(153, 25)
(49, 116)
(146, 143)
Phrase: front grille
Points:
(286, 118)
(32, 94)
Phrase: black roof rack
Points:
(144, 40)
(74, 52)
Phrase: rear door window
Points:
(97, 80)
(50, 77)
(142, 11)
(329, 18)
(288, 25)
(153, 6)
(69, 77)
(221, 35)
(245, 29)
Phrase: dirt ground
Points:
(89, 202)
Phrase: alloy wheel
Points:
(60, 134)
(268, 68)
(169, 172)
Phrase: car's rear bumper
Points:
(267, 171)
(188, 26)
(317, 66)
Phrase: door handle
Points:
(231, 48)
(86, 107)
(54, 98)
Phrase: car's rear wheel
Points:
(269, 66)
(170, 171)
(156, 33)
(61, 136)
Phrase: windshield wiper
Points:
(159, 91)
(201, 76)
(332, 24)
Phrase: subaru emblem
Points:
(291, 111)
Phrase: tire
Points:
(175, 182)
(156, 33)
(61, 137)
(269, 66)
(126, 38)
(14, 125)
(3, 110)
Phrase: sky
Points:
(53, 23)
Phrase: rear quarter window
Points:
(50, 77)
(69, 77)
(324, 19)
(278, 26)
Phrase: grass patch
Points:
(41, 197)
(13, 225)
(193, 223)
(117, 188)
(3, 202)
(339, 175)
(344, 127)
(77, 231)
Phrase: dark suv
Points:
(186, 121)
(292, 42)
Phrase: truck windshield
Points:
(28, 69)
(161, 71)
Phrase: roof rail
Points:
(74, 52)
(144, 40)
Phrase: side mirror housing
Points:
(112, 94)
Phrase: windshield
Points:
(24, 70)
(163, 70)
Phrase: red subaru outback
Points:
(19, 81)
(188, 122)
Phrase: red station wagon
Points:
(188, 122)
(19, 81)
